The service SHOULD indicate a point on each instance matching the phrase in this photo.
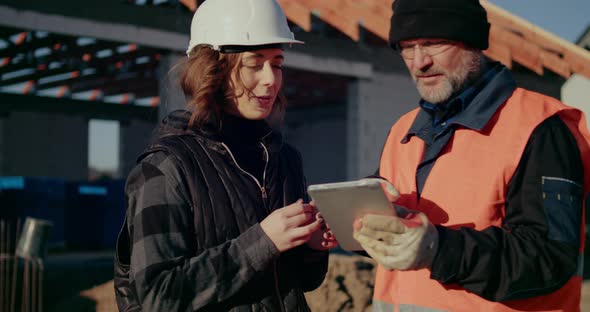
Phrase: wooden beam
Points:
(579, 63)
(345, 23)
(500, 54)
(382, 8)
(347, 15)
(577, 57)
(527, 54)
(369, 16)
(504, 19)
(556, 64)
(497, 50)
(522, 51)
(297, 13)
(190, 4)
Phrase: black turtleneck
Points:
(243, 137)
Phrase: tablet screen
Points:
(340, 203)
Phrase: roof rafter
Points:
(340, 20)
(297, 13)
(549, 51)
(369, 15)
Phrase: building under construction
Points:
(66, 64)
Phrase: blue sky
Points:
(567, 19)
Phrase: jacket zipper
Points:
(260, 186)
(275, 264)
(264, 197)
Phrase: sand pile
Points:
(347, 287)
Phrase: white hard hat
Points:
(219, 23)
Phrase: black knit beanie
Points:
(459, 20)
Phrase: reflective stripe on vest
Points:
(380, 306)
(415, 308)
(480, 163)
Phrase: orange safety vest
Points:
(467, 187)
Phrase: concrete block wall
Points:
(374, 106)
(319, 133)
(344, 142)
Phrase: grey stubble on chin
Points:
(453, 82)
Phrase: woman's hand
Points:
(323, 238)
(291, 226)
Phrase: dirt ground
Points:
(347, 287)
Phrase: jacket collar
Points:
(475, 106)
(211, 133)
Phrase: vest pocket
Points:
(562, 200)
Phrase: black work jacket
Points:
(222, 260)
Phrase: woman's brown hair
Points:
(205, 80)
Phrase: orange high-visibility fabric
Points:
(467, 187)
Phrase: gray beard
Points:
(454, 82)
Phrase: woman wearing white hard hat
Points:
(217, 219)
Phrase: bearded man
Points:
(492, 179)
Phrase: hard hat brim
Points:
(250, 46)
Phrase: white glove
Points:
(408, 243)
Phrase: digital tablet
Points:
(340, 203)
